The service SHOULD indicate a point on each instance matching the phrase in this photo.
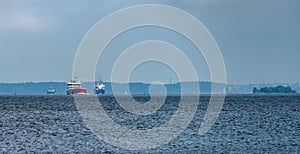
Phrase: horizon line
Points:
(260, 83)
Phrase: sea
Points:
(246, 124)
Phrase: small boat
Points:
(100, 88)
(51, 90)
(74, 87)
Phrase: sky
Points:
(259, 39)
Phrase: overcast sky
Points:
(259, 39)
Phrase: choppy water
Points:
(247, 123)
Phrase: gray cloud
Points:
(20, 16)
(258, 39)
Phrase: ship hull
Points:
(50, 92)
(99, 91)
(76, 91)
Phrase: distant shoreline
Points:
(40, 88)
(184, 95)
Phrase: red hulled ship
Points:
(74, 87)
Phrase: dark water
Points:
(247, 123)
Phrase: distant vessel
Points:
(100, 88)
(74, 87)
(51, 90)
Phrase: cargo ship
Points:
(74, 87)
(100, 88)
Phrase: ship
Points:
(100, 88)
(74, 87)
(51, 90)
